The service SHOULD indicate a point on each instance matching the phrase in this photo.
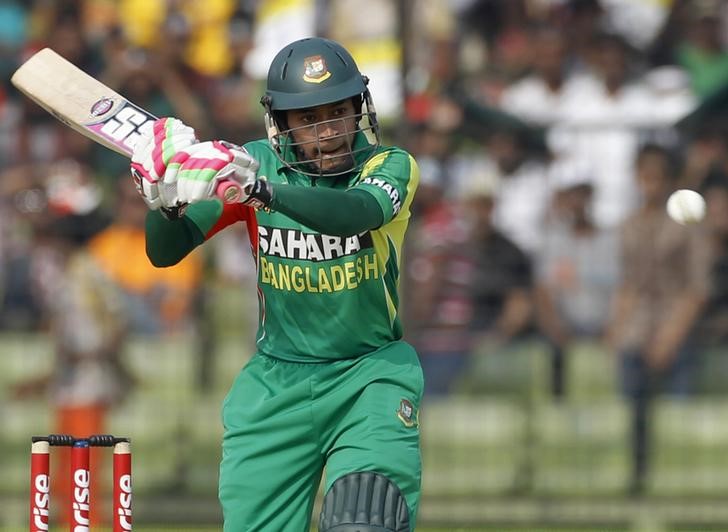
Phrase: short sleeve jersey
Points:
(325, 297)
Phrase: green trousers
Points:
(286, 423)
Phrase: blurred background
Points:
(573, 337)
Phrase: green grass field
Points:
(510, 460)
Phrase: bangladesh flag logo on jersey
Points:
(406, 413)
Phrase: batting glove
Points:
(158, 143)
(205, 170)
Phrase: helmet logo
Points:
(315, 70)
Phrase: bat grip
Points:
(229, 191)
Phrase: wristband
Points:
(173, 213)
(260, 194)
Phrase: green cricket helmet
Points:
(308, 73)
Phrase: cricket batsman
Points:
(332, 389)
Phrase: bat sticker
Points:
(122, 127)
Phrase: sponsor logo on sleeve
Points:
(390, 189)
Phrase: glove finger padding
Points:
(157, 144)
(147, 188)
(198, 169)
(168, 140)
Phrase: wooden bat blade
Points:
(90, 107)
(81, 101)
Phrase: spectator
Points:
(705, 153)
(581, 20)
(536, 98)
(155, 301)
(436, 301)
(377, 47)
(24, 200)
(522, 195)
(501, 283)
(662, 291)
(21, 198)
(712, 328)
(602, 110)
(155, 79)
(471, 289)
(233, 99)
(577, 268)
(702, 52)
(196, 38)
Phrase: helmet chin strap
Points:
(271, 130)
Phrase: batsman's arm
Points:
(386, 182)
(329, 211)
(169, 241)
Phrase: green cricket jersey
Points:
(325, 297)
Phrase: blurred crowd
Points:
(549, 134)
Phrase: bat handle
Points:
(229, 191)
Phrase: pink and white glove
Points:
(212, 169)
(158, 143)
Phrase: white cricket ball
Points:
(686, 206)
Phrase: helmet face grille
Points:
(291, 152)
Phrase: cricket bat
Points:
(90, 107)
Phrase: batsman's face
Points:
(323, 135)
